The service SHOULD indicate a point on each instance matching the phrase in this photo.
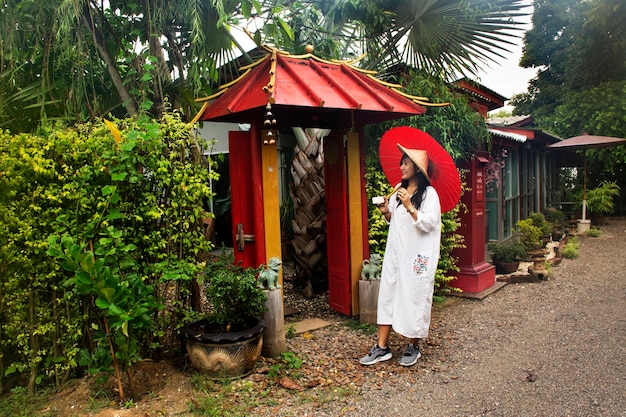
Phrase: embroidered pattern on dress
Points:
(420, 264)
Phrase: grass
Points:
(17, 403)
(354, 324)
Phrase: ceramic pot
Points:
(223, 355)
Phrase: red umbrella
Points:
(444, 177)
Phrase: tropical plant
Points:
(600, 200)
(447, 36)
(129, 57)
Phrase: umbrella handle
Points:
(394, 190)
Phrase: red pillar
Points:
(475, 274)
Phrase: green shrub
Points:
(571, 249)
(233, 294)
(539, 220)
(600, 199)
(529, 234)
(593, 232)
(129, 207)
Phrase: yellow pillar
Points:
(271, 204)
(355, 214)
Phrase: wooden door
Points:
(241, 180)
(337, 231)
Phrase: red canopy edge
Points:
(308, 89)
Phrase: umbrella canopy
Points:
(444, 176)
(585, 142)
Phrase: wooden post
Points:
(368, 297)
(274, 341)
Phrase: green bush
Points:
(593, 232)
(128, 208)
(233, 294)
(571, 249)
(600, 199)
(529, 234)
(539, 220)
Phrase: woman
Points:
(411, 257)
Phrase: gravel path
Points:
(553, 348)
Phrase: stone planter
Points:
(368, 301)
(583, 226)
(223, 355)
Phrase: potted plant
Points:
(506, 256)
(228, 341)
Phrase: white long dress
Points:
(408, 273)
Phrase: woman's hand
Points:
(405, 198)
(384, 208)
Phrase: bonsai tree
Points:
(539, 220)
(235, 299)
(529, 234)
(506, 252)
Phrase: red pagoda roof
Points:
(309, 92)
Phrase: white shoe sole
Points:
(419, 355)
(378, 359)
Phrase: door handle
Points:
(241, 238)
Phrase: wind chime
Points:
(270, 120)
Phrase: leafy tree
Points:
(576, 45)
(84, 59)
(580, 50)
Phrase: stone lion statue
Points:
(371, 267)
(269, 274)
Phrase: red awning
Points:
(309, 92)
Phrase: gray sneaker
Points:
(377, 354)
(411, 355)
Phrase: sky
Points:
(506, 77)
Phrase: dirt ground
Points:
(551, 348)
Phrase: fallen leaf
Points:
(308, 335)
(287, 383)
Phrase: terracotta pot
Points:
(224, 355)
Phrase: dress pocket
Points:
(421, 263)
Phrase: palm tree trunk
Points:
(307, 247)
